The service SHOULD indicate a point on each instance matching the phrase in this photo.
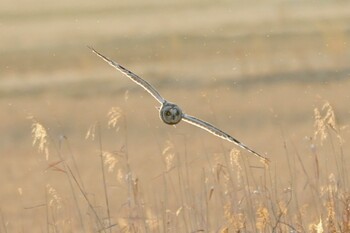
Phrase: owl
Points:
(171, 113)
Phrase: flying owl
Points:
(172, 114)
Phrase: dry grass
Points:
(82, 148)
(229, 194)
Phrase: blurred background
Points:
(255, 69)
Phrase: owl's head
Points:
(170, 113)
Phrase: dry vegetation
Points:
(82, 148)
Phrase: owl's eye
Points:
(167, 113)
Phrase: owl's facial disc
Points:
(170, 114)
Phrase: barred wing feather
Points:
(219, 133)
(143, 83)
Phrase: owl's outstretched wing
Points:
(143, 83)
(217, 132)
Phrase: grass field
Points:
(273, 74)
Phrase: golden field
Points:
(273, 74)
